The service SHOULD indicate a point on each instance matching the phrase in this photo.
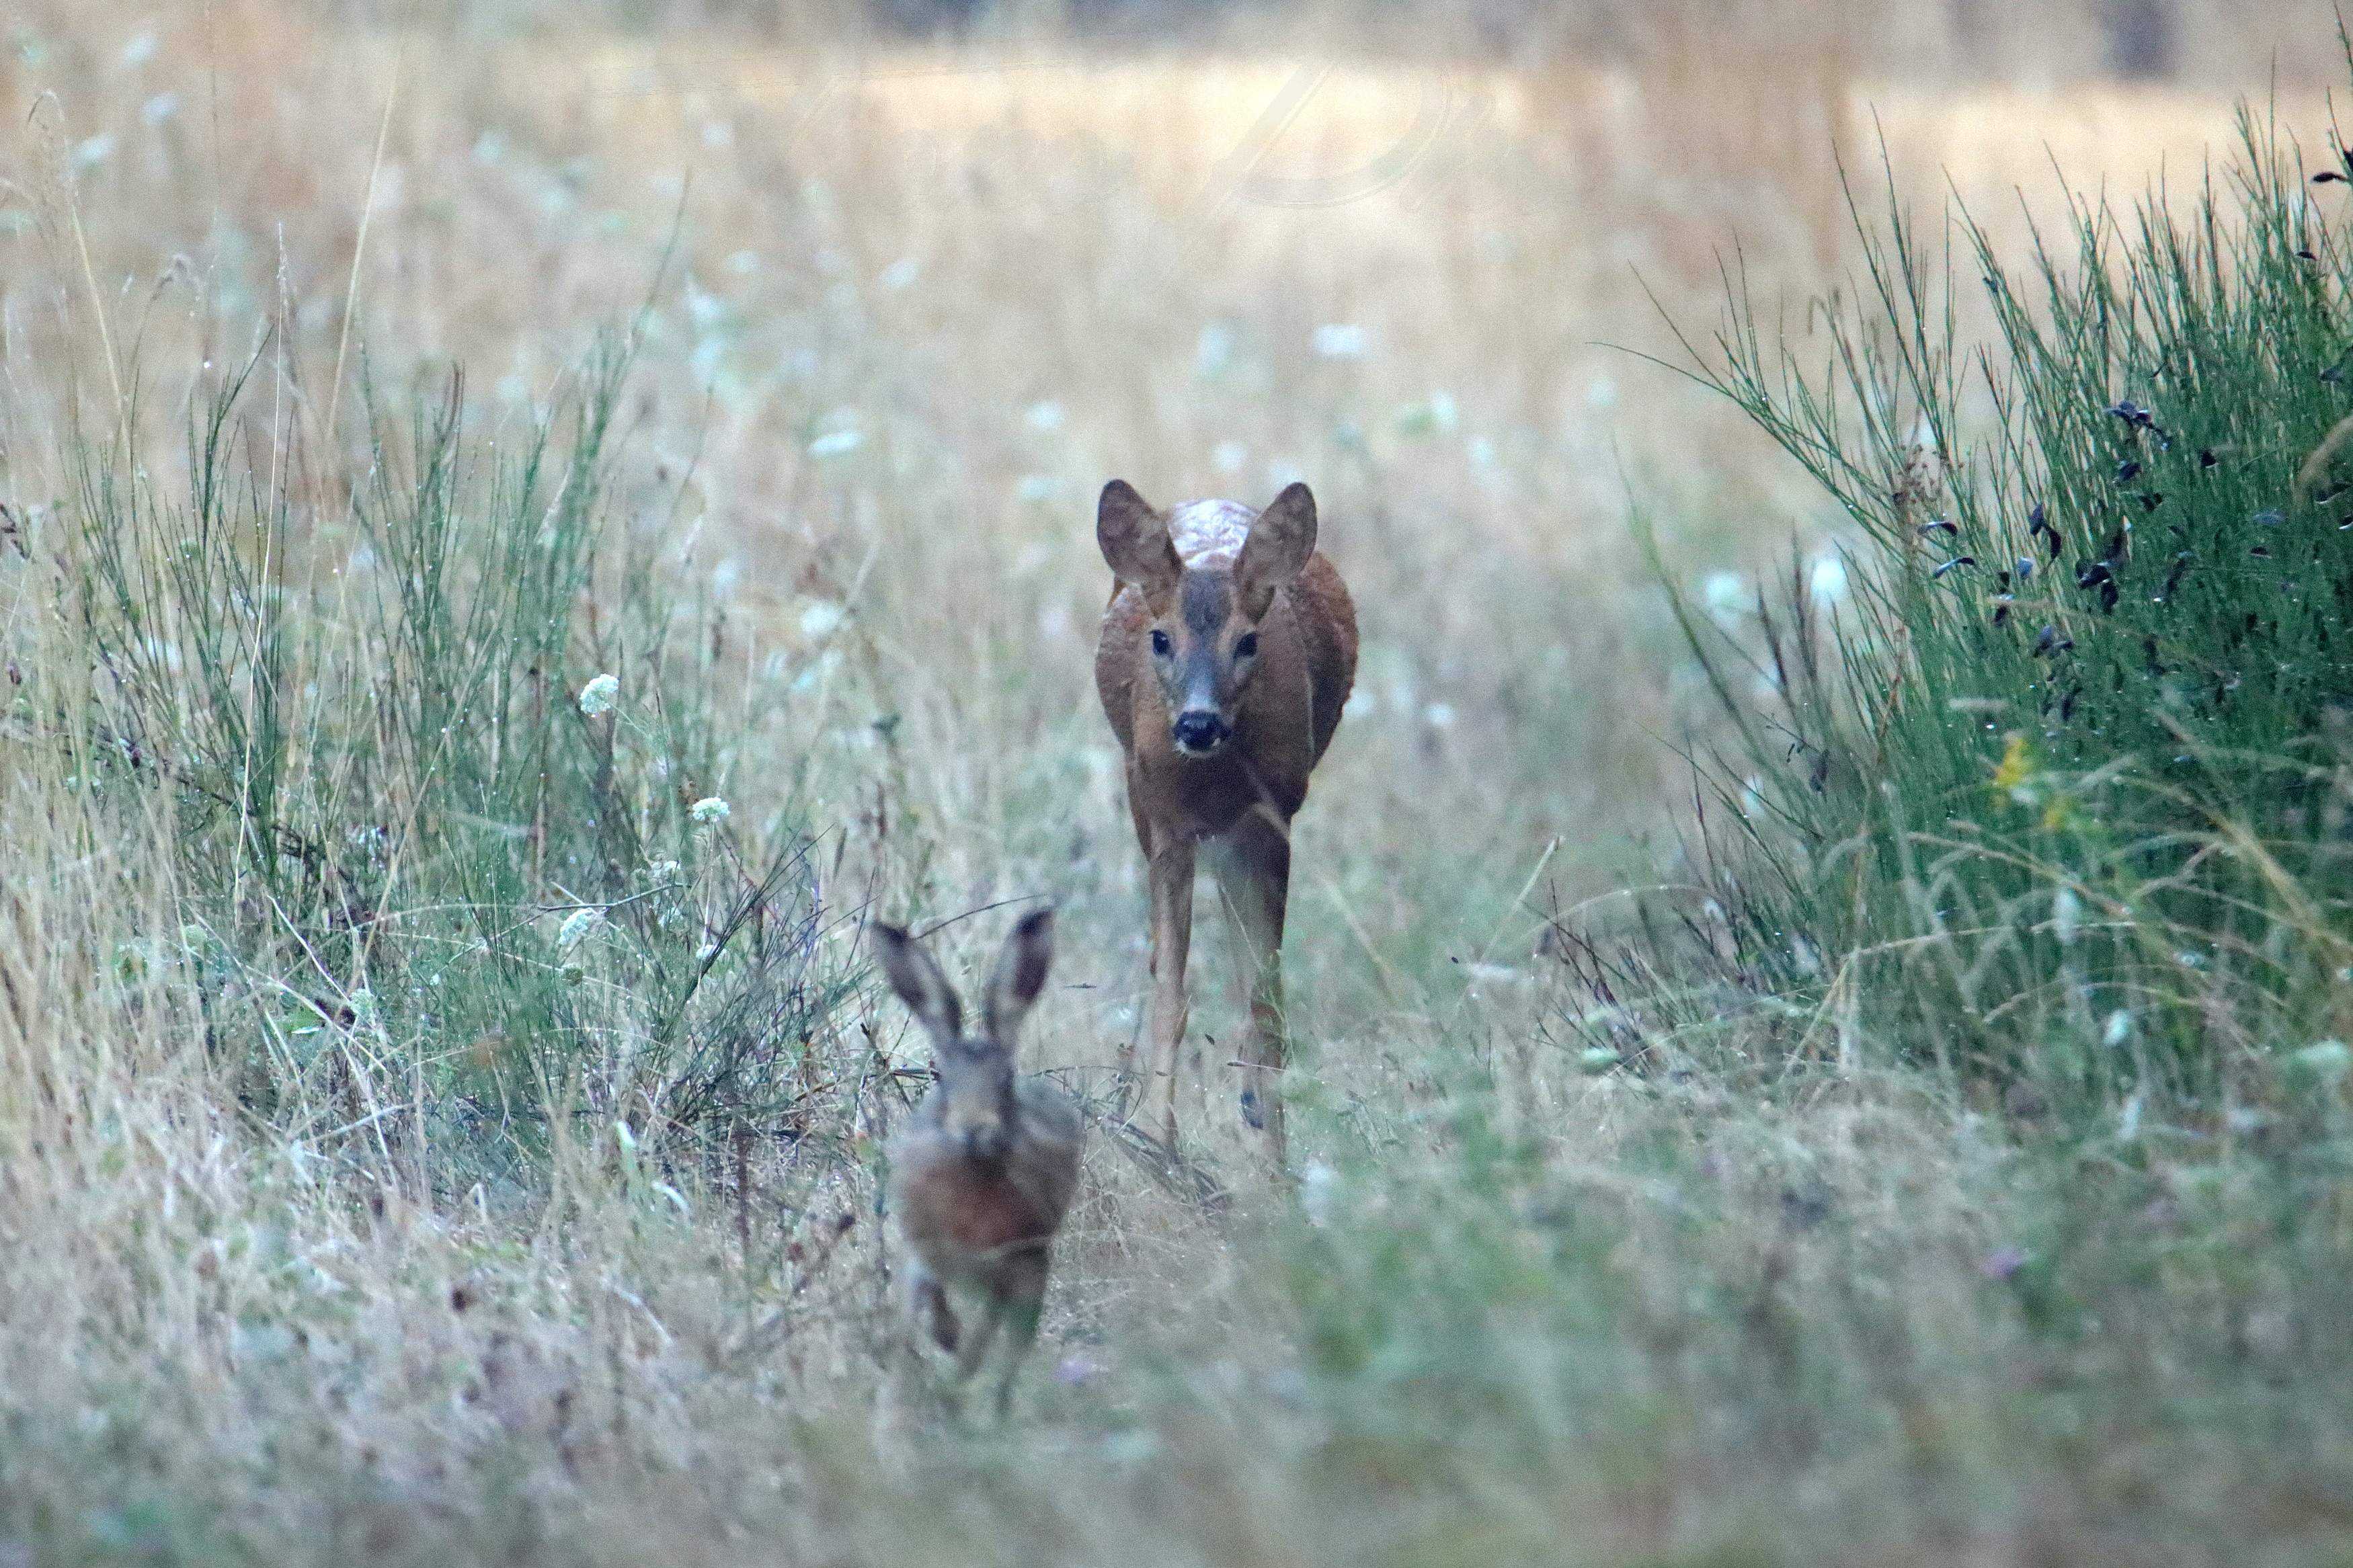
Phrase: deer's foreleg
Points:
(1171, 875)
(1253, 867)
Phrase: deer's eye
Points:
(1160, 644)
(1246, 646)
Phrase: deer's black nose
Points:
(1198, 731)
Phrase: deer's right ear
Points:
(916, 977)
(1134, 540)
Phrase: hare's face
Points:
(974, 1102)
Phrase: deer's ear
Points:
(916, 977)
(1134, 540)
(1019, 976)
(1278, 547)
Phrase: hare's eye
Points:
(1246, 646)
(1160, 644)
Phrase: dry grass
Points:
(1010, 279)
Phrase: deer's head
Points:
(1203, 637)
(974, 1102)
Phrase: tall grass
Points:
(2058, 797)
(442, 785)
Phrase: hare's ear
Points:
(920, 985)
(1019, 976)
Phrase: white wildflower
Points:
(819, 617)
(1045, 414)
(1213, 349)
(2327, 1061)
(1724, 592)
(710, 811)
(835, 444)
(1826, 582)
(597, 698)
(576, 927)
(1318, 1192)
(2118, 1029)
(2066, 916)
(1341, 339)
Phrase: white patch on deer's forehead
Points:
(1209, 532)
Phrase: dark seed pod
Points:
(2173, 578)
(1948, 566)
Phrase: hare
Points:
(981, 1178)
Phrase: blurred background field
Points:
(432, 1128)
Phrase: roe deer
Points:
(981, 1179)
(1228, 650)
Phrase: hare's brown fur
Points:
(981, 1178)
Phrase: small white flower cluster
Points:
(597, 697)
(710, 811)
(576, 927)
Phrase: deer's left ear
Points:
(1278, 547)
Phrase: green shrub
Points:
(445, 786)
(2059, 793)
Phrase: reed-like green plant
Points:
(2059, 792)
(448, 791)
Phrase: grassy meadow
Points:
(1816, 1041)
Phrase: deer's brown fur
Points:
(1227, 651)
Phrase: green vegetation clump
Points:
(446, 789)
(2058, 796)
